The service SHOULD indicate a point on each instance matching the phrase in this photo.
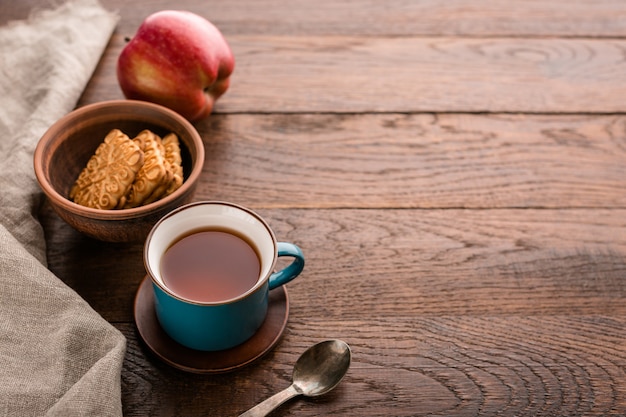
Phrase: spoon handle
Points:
(267, 406)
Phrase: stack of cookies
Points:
(126, 173)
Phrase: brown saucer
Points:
(197, 361)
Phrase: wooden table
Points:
(455, 173)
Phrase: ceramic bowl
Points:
(63, 152)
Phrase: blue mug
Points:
(222, 324)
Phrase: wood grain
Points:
(415, 161)
(535, 18)
(464, 18)
(461, 366)
(410, 74)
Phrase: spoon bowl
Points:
(321, 367)
(318, 370)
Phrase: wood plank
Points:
(602, 18)
(403, 263)
(462, 262)
(410, 74)
(415, 161)
(453, 366)
(524, 18)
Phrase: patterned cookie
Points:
(170, 148)
(152, 175)
(173, 157)
(159, 192)
(109, 172)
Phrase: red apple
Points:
(177, 59)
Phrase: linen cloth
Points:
(58, 357)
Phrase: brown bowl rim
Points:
(115, 214)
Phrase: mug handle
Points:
(290, 272)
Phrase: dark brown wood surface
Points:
(455, 173)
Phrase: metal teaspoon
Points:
(318, 370)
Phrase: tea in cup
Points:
(212, 265)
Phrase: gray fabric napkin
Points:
(58, 357)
